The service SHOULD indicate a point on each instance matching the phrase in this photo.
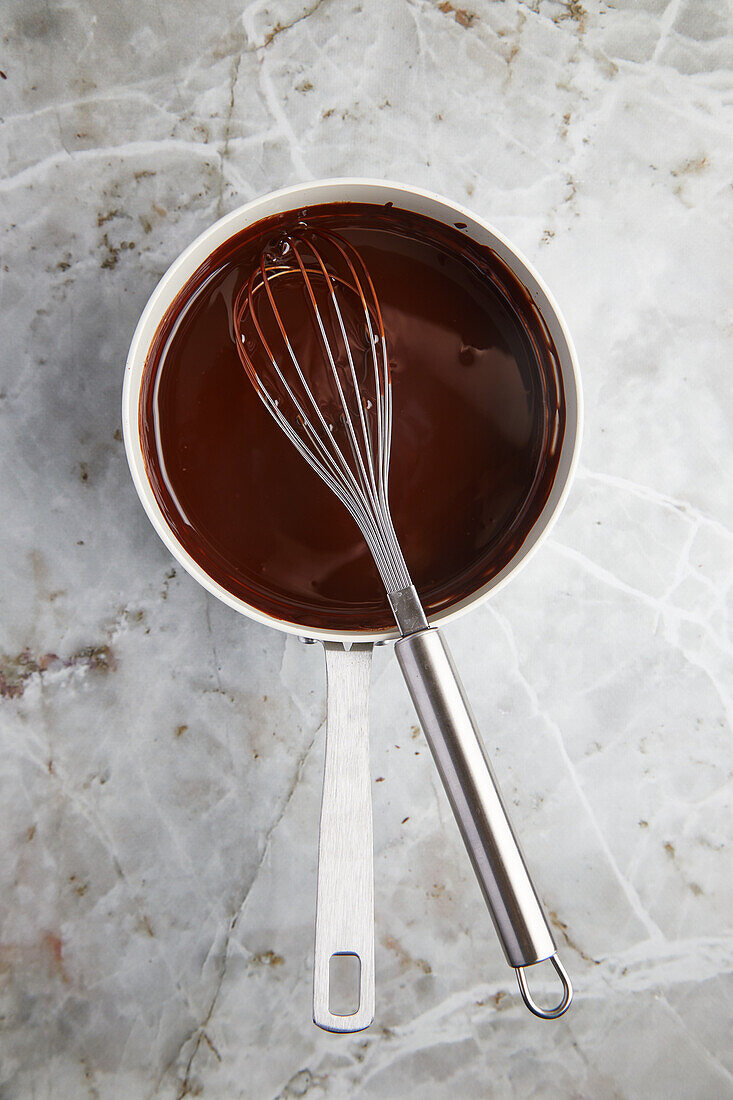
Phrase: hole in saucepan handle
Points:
(344, 983)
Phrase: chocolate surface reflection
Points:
(478, 423)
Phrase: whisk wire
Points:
(379, 386)
(333, 467)
(382, 383)
(365, 469)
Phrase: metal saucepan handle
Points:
(345, 900)
(459, 753)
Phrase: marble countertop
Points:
(161, 756)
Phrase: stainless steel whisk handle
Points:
(469, 782)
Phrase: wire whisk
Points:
(311, 338)
(310, 333)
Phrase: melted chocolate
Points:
(478, 423)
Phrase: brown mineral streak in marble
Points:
(48, 951)
(16, 671)
(478, 421)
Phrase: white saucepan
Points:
(344, 924)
